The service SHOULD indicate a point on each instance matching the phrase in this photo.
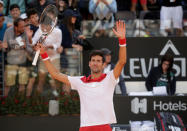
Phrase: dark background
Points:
(139, 48)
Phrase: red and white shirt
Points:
(96, 98)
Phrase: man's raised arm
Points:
(120, 31)
(52, 70)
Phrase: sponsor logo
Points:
(139, 105)
(140, 67)
(169, 106)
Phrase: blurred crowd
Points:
(77, 20)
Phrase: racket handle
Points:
(36, 58)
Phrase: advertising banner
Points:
(141, 108)
(145, 53)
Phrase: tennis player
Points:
(95, 91)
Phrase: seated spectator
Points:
(103, 12)
(162, 76)
(171, 12)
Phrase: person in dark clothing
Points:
(61, 5)
(110, 66)
(40, 5)
(69, 34)
(162, 76)
(73, 5)
(34, 20)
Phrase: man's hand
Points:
(40, 47)
(60, 49)
(77, 47)
(119, 30)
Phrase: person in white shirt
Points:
(108, 66)
(96, 91)
(52, 43)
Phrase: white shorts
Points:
(169, 15)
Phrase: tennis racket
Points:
(47, 22)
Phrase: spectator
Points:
(39, 5)
(143, 4)
(30, 30)
(72, 4)
(162, 76)
(171, 12)
(1, 6)
(61, 5)
(16, 44)
(14, 12)
(71, 36)
(25, 18)
(108, 66)
(33, 20)
(52, 42)
(9, 3)
(3, 27)
(103, 12)
(32, 69)
(5, 17)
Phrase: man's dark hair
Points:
(14, 6)
(31, 11)
(169, 58)
(16, 21)
(95, 53)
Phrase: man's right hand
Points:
(40, 47)
(120, 30)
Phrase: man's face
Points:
(34, 19)
(96, 64)
(21, 27)
(15, 13)
(165, 66)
